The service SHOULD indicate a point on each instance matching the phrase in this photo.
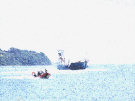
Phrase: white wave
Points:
(19, 77)
(24, 77)
(52, 70)
(27, 73)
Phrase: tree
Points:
(16, 56)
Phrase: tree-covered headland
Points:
(16, 56)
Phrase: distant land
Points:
(16, 56)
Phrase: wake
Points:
(27, 73)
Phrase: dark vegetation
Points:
(16, 56)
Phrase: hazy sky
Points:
(101, 30)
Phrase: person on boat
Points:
(40, 73)
(46, 73)
(34, 74)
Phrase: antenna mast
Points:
(61, 57)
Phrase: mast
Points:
(61, 57)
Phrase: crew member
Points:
(46, 73)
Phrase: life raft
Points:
(44, 75)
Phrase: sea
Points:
(98, 82)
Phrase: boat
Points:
(41, 74)
(73, 65)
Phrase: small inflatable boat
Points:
(41, 75)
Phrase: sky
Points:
(101, 31)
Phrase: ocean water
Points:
(96, 83)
